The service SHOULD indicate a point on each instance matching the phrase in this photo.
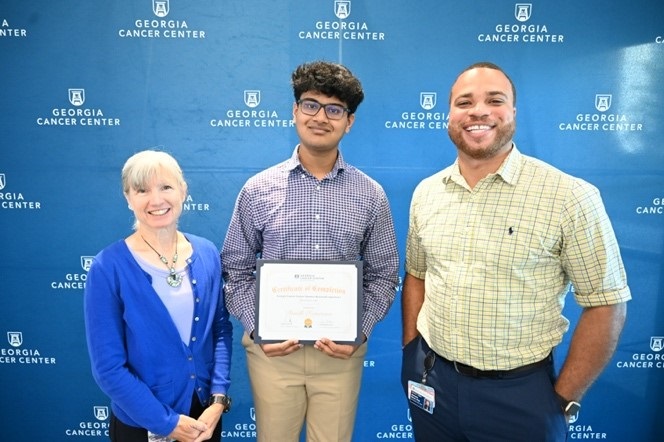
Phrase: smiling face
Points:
(157, 203)
(481, 119)
(318, 133)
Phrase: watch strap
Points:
(221, 399)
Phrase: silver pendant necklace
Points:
(173, 279)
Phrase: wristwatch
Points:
(570, 408)
(222, 399)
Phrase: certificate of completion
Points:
(308, 300)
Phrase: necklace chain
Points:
(173, 279)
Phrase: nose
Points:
(321, 114)
(156, 197)
(480, 109)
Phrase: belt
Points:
(473, 372)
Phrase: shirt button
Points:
(317, 187)
(193, 338)
(196, 319)
(193, 281)
(317, 247)
(317, 217)
(193, 376)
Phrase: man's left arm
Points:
(381, 267)
(593, 343)
(593, 262)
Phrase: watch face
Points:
(223, 400)
(572, 408)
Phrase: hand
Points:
(188, 429)
(210, 418)
(281, 348)
(340, 351)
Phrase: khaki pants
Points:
(307, 383)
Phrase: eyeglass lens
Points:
(311, 107)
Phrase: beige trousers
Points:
(305, 384)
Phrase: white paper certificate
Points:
(308, 300)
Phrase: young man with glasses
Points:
(313, 207)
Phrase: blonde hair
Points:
(141, 167)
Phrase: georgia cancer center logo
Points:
(77, 115)
(602, 120)
(160, 27)
(74, 280)
(253, 115)
(521, 32)
(522, 11)
(653, 359)
(96, 428)
(17, 354)
(160, 7)
(426, 118)
(342, 28)
(14, 200)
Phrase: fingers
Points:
(188, 429)
(198, 426)
(206, 435)
(281, 348)
(330, 348)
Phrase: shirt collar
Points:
(509, 171)
(294, 163)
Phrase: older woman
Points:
(158, 331)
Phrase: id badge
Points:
(422, 396)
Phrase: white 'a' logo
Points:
(160, 7)
(77, 96)
(603, 102)
(252, 98)
(342, 8)
(101, 413)
(656, 343)
(15, 339)
(428, 100)
(522, 11)
(86, 262)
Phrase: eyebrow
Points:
(489, 94)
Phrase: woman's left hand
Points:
(210, 418)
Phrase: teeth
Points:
(478, 127)
(159, 212)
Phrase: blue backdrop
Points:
(85, 84)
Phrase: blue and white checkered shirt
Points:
(285, 212)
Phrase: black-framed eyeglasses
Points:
(311, 107)
(429, 360)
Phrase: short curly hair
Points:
(331, 79)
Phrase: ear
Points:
(185, 190)
(351, 120)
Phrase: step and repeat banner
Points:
(85, 84)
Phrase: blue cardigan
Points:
(137, 356)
